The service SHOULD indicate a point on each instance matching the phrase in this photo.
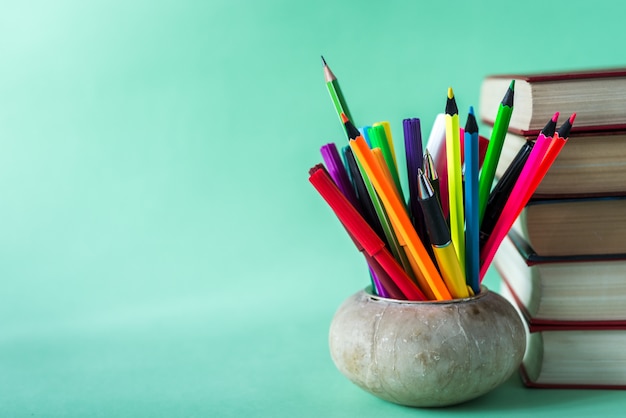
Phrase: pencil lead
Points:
(344, 118)
(565, 129)
(451, 108)
(550, 127)
(555, 117)
(507, 100)
(324, 61)
(471, 127)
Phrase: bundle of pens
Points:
(438, 243)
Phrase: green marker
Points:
(378, 138)
(494, 149)
(394, 246)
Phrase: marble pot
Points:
(427, 354)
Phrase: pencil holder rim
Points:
(376, 298)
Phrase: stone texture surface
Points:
(427, 353)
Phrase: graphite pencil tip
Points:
(328, 74)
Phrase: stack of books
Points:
(563, 263)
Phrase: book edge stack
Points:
(531, 373)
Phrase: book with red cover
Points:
(563, 292)
(574, 227)
(562, 385)
(590, 164)
(597, 96)
(575, 316)
(575, 358)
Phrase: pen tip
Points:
(424, 188)
(571, 118)
(555, 117)
(323, 61)
(450, 93)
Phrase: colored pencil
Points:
(455, 177)
(336, 95)
(471, 203)
(494, 149)
(502, 190)
(365, 131)
(530, 177)
(558, 142)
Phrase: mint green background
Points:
(161, 251)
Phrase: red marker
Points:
(363, 235)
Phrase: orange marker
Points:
(426, 273)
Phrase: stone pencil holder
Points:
(427, 354)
